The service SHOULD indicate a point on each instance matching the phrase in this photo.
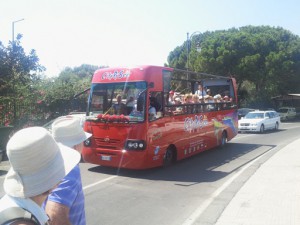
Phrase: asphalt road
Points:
(193, 191)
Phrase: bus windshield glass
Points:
(118, 99)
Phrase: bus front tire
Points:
(169, 157)
(223, 139)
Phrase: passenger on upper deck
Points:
(218, 98)
(197, 106)
(196, 99)
(200, 91)
(171, 97)
(227, 99)
(208, 92)
(188, 99)
(178, 109)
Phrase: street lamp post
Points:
(13, 30)
(189, 39)
(13, 69)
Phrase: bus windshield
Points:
(118, 99)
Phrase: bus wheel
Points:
(168, 157)
(223, 139)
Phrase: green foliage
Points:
(27, 97)
(264, 60)
(18, 73)
(59, 92)
(17, 70)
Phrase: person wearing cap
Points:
(217, 100)
(65, 204)
(171, 97)
(208, 92)
(38, 163)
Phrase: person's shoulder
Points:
(74, 173)
(70, 181)
(17, 216)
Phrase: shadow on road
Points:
(204, 167)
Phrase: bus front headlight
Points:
(135, 145)
(87, 142)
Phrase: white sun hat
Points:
(37, 162)
(68, 131)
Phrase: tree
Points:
(18, 73)
(264, 60)
(58, 93)
(17, 70)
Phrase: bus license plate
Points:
(106, 157)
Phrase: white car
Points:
(259, 121)
(287, 113)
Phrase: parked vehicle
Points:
(5, 133)
(259, 121)
(243, 112)
(287, 113)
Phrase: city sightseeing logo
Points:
(192, 124)
(115, 75)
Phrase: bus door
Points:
(156, 128)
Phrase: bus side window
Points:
(159, 97)
(140, 102)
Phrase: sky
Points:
(69, 33)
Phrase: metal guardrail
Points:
(4, 137)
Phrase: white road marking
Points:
(99, 182)
(243, 136)
(195, 215)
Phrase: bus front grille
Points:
(107, 143)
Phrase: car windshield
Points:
(283, 110)
(254, 116)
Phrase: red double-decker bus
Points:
(150, 116)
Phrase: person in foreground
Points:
(65, 204)
(38, 164)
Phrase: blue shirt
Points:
(69, 193)
(198, 92)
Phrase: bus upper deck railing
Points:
(197, 108)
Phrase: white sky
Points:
(129, 32)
